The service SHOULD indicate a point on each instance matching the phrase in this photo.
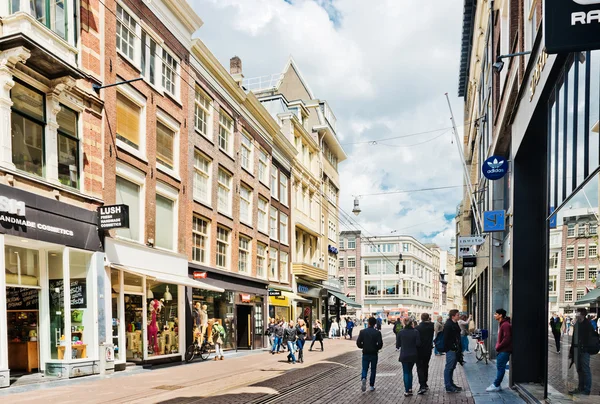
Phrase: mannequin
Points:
(155, 307)
(204, 319)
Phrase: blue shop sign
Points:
(494, 220)
(494, 168)
(332, 249)
(303, 289)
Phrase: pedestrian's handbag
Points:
(594, 347)
(439, 342)
(471, 327)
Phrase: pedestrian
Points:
(343, 327)
(569, 323)
(426, 330)
(555, 326)
(453, 348)
(278, 330)
(301, 336)
(317, 335)
(271, 332)
(379, 321)
(218, 335)
(438, 328)
(370, 341)
(580, 352)
(408, 341)
(464, 332)
(289, 338)
(503, 348)
(334, 329)
(349, 327)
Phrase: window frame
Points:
(199, 93)
(170, 63)
(248, 201)
(147, 58)
(263, 225)
(351, 259)
(580, 273)
(284, 267)
(592, 248)
(247, 152)
(581, 252)
(568, 291)
(172, 194)
(228, 140)
(198, 233)
(199, 171)
(592, 270)
(274, 182)
(275, 220)
(261, 257)
(77, 141)
(273, 257)
(134, 31)
(247, 251)
(571, 230)
(229, 188)
(283, 189)
(133, 175)
(227, 245)
(173, 125)
(570, 254)
(263, 167)
(353, 283)
(353, 242)
(569, 274)
(283, 228)
(139, 100)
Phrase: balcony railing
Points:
(263, 82)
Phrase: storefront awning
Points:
(345, 299)
(592, 297)
(168, 278)
(295, 297)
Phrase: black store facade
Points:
(555, 151)
(47, 327)
(241, 309)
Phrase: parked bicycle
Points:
(481, 352)
(203, 351)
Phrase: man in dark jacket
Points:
(579, 352)
(424, 352)
(290, 335)
(453, 349)
(556, 327)
(503, 348)
(370, 341)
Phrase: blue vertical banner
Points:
(553, 218)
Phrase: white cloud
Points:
(383, 66)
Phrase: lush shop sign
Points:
(113, 217)
(571, 25)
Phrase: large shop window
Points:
(211, 308)
(68, 147)
(28, 120)
(129, 194)
(162, 318)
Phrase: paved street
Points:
(325, 377)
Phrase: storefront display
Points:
(216, 307)
(163, 321)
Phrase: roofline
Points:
(292, 62)
(185, 13)
(469, 9)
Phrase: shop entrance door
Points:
(134, 320)
(22, 314)
(244, 327)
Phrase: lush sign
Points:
(113, 217)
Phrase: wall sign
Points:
(274, 292)
(494, 220)
(571, 25)
(12, 206)
(200, 274)
(332, 249)
(466, 241)
(466, 251)
(246, 298)
(494, 168)
(469, 262)
(22, 299)
(78, 293)
(303, 289)
(113, 217)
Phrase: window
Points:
(580, 273)
(405, 247)
(244, 255)
(351, 262)
(341, 263)
(201, 182)
(552, 284)
(570, 252)
(283, 266)
(569, 274)
(332, 192)
(332, 231)
(128, 121)
(169, 73)
(165, 145)
(273, 264)
(571, 230)
(372, 288)
(274, 182)
(581, 230)
(568, 295)
(225, 132)
(222, 260)
(593, 251)
(351, 243)
(342, 240)
(263, 166)
(246, 205)
(273, 223)
(129, 194)
(593, 229)
(165, 223)
(352, 281)
(592, 272)
(126, 33)
(283, 189)
(261, 260)
(263, 221)
(283, 228)
(200, 239)
(224, 192)
(202, 113)
(149, 59)
(341, 279)
(27, 124)
(581, 251)
(68, 147)
(580, 294)
(246, 152)
(554, 261)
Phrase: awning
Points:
(592, 297)
(345, 299)
(164, 277)
(293, 296)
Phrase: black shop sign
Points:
(22, 299)
(113, 217)
(571, 25)
(78, 293)
(469, 262)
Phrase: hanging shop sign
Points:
(466, 251)
(494, 220)
(469, 262)
(275, 293)
(303, 289)
(113, 217)
(571, 25)
(200, 274)
(332, 249)
(246, 298)
(470, 240)
(494, 168)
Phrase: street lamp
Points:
(356, 209)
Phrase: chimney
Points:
(235, 69)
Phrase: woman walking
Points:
(334, 329)
(301, 335)
(408, 341)
(317, 335)
(463, 323)
(278, 337)
(289, 339)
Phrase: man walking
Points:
(438, 329)
(424, 351)
(453, 348)
(580, 352)
(556, 326)
(349, 327)
(503, 348)
(370, 341)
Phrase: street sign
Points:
(113, 217)
(466, 251)
(493, 221)
(571, 25)
(465, 241)
(494, 168)
(469, 262)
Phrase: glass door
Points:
(134, 320)
(116, 313)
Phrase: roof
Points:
(466, 44)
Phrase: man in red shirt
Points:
(503, 347)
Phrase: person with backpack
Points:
(317, 335)
(426, 330)
(398, 326)
(218, 335)
(585, 343)
(438, 337)
(408, 341)
(371, 342)
(503, 348)
(556, 326)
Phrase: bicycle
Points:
(481, 352)
(203, 351)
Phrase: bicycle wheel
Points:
(204, 353)
(189, 353)
(479, 352)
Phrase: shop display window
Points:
(82, 315)
(162, 321)
(58, 337)
(134, 318)
(22, 266)
(214, 306)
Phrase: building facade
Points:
(349, 273)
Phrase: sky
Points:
(383, 66)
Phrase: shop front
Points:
(48, 327)
(279, 305)
(147, 302)
(240, 307)
(309, 302)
